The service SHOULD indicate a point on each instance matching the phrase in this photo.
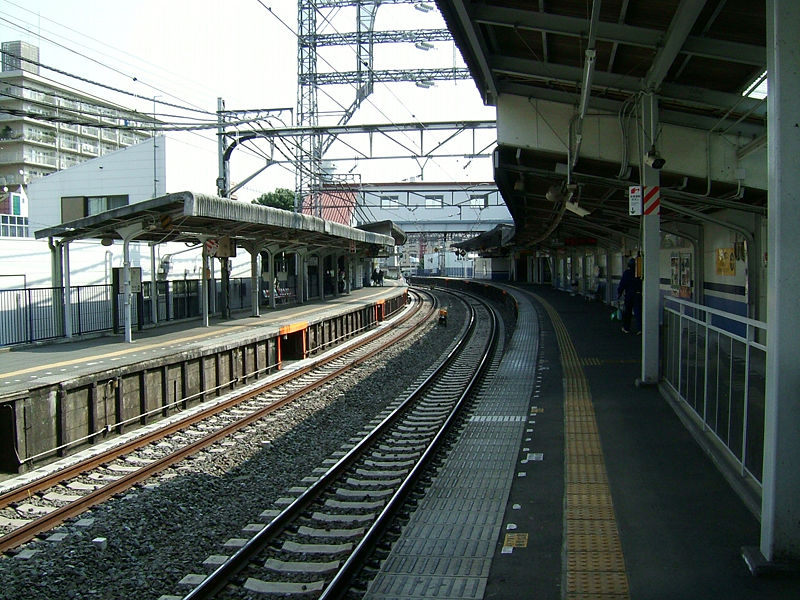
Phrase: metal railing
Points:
(30, 315)
(716, 363)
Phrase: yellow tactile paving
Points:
(594, 564)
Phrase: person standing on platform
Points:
(631, 287)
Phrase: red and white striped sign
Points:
(652, 201)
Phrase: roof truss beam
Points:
(615, 32)
(679, 94)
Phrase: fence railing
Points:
(716, 363)
(36, 314)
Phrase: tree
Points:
(280, 198)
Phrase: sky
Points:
(191, 52)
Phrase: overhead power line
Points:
(107, 87)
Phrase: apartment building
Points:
(46, 127)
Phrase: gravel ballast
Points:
(143, 543)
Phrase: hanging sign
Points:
(635, 200)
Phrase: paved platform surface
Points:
(24, 366)
(502, 520)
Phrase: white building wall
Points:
(130, 172)
(125, 172)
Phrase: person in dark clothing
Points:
(631, 287)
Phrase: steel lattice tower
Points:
(311, 147)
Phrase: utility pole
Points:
(222, 177)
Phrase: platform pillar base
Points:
(760, 566)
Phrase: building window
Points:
(78, 207)
(97, 204)
(69, 142)
(11, 226)
(69, 103)
(390, 201)
(41, 157)
(68, 161)
(90, 147)
(434, 201)
(37, 134)
(479, 200)
(127, 138)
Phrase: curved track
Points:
(44, 503)
(319, 542)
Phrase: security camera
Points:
(654, 160)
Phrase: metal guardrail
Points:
(30, 315)
(716, 363)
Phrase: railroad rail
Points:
(320, 541)
(66, 493)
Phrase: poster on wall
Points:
(726, 261)
(681, 274)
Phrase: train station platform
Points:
(23, 366)
(55, 398)
(571, 482)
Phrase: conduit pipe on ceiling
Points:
(586, 80)
(708, 219)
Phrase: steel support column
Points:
(67, 295)
(780, 509)
(651, 245)
(204, 279)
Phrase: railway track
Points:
(318, 543)
(38, 506)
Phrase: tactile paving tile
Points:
(595, 566)
(597, 584)
(595, 561)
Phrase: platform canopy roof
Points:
(386, 228)
(489, 243)
(188, 217)
(697, 56)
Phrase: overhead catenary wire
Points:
(197, 126)
(368, 100)
(132, 78)
(84, 36)
(108, 87)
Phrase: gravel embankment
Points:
(158, 533)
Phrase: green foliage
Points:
(280, 198)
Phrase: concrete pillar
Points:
(780, 508)
(651, 244)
